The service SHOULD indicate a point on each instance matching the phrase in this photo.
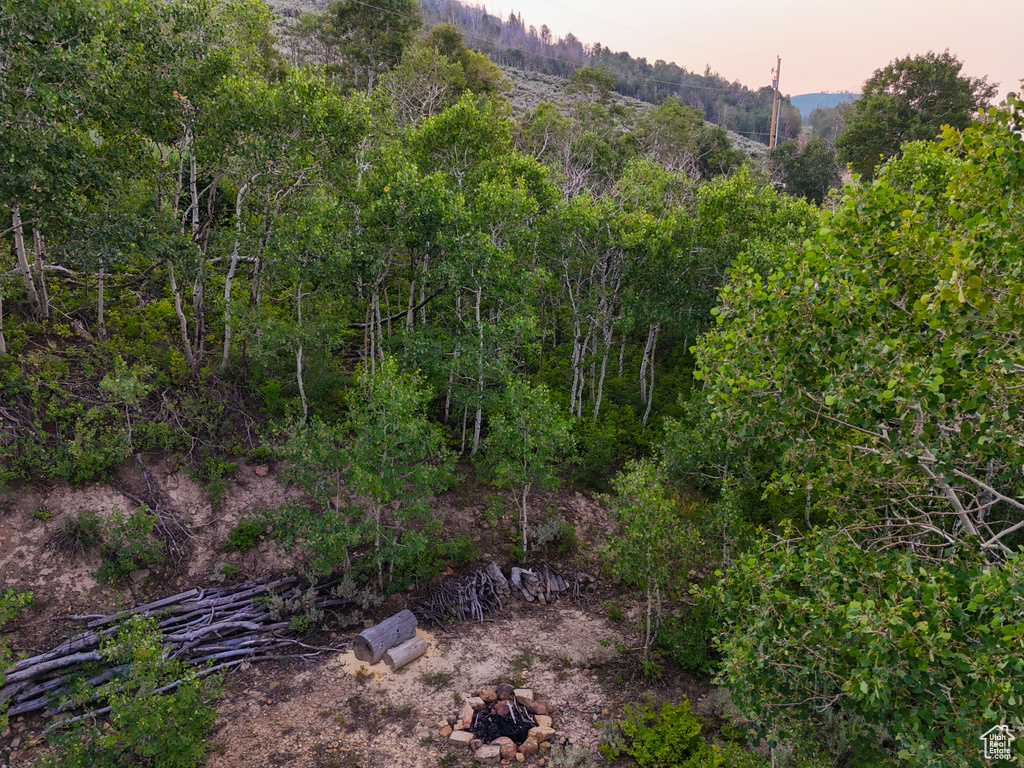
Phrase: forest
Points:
(323, 240)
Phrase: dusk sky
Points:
(824, 45)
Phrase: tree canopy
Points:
(909, 100)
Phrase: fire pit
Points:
(502, 723)
(506, 717)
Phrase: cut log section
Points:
(410, 650)
(370, 645)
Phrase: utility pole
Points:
(773, 130)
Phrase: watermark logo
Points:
(997, 742)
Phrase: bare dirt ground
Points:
(334, 711)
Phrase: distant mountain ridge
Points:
(807, 102)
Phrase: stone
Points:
(539, 707)
(475, 744)
(461, 737)
(543, 721)
(502, 708)
(505, 692)
(545, 747)
(446, 731)
(476, 703)
(520, 757)
(488, 694)
(262, 470)
(274, 686)
(487, 754)
(139, 576)
(530, 747)
(466, 715)
(442, 723)
(507, 747)
(523, 695)
(542, 733)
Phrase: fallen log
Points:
(371, 644)
(402, 654)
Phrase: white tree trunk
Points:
(101, 320)
(298, 356)
(179, 310)
(22, 256)
(480, 375)
(40, 263)
(650, 392)
(239, 200)
(3, 339)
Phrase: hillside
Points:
(529, 47)
(531, 88)
(808, 102)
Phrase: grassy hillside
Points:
(531, 88)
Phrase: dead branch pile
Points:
(546, 584)
(220, 627)
(470, 596)
(465, 597)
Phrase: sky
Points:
(825, 45)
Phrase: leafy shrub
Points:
(798, 619)
(607, 443)
(145, 728)
(614, 611)
(462, 550)
(215, 471)
(557, 533)
(12, 602)
(688, 639)
(244, 536)
(42, 514)
(130, 545)
(666, 739)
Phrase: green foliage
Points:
(12, 602)
(810, 172)
(614, 611)
(372, 38)
(890, 387)
(652, 541)
(607, 443)
(396, 454)
(165, 730)
(529, 436)
(244, 536)
(669, 738)
(214, 471)
(687, 639)
(916, 657)
(129, 544)
(42, 513)
(327, 536)
(911, 99)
